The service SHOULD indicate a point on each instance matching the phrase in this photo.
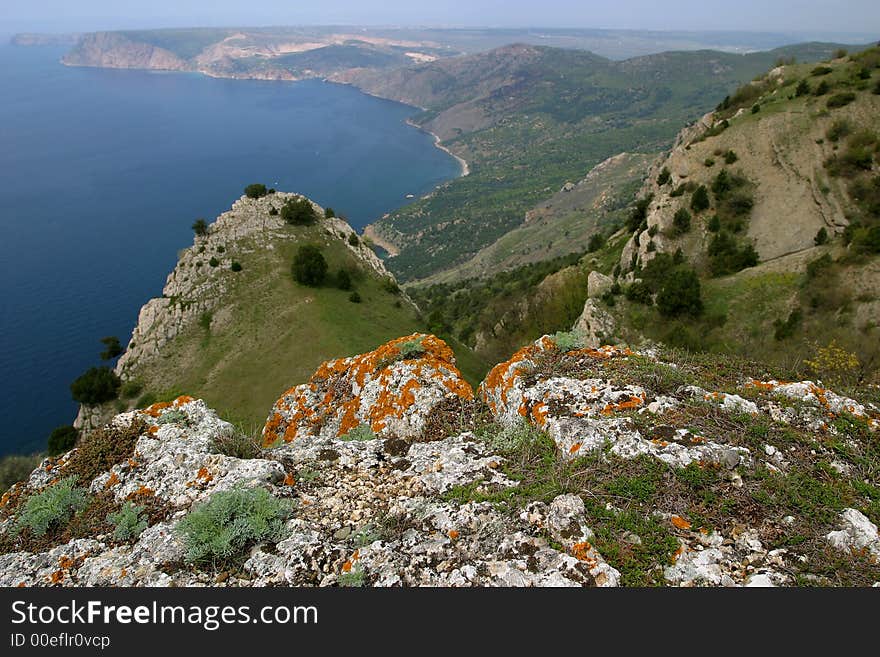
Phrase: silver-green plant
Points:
(224, 527)
(568, 340)
(361, 432)
(128, 521)
(174, 416)
(411, 348)
(354, 577)
(512, 438)
(52, 506)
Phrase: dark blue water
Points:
(103, 172)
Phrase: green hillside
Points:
(527, 119)
(268, 332)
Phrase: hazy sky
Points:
(861, 16)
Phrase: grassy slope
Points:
(561, 224)
(842, 302)
(272, 333)
(543, 123)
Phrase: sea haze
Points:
(102, 173)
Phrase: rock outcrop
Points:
(395, 475)
(389, 392)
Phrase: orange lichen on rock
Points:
(394, 380)
(155, 410)
(57, 577)
(112, 480)
(65, 562)
(629, 404)
(581, 551)
(540, 412)
(680, 522)
(574, 448)
(289, 480)
(452, 534)
(204, 474)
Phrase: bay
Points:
(102, 173)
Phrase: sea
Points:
(102, 173)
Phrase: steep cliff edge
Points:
(231, 300)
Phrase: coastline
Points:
(465, 168)
(370, 233)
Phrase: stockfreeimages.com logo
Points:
(209, 617)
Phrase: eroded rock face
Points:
(391, 391)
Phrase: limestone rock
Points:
(598, 284)
(595, 324)
(391, 391)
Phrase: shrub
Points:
(61, 440)
(726, 257)
(112, 348)
(664, 177)
(866, 240)
(213, 262)
(102, 448)
(329, 213)
(834, 363)
(714, 224)
(639, 213)
(273, 212)
(756, 108)
(840, 128)
(681, 222)
(876, 89)
(51, 507)
(235, 266)
(343, 280)
(867, 194)
(15, 468)
(221, 248)
(309, 266)
(815, 267)
(131, 389)
(256, 190)
(802, 89)
(785, 329)
(353, 239)
(567, 341)
(200, 227)
(821, 237)
(128, 522)
(354, 297)
(841, 99)
(708, 163)
(361, 432)
(640, 293)
(730, 157)
(700, 199)
(390, 286)
(840, 53)
(299, 212)
(821, 70)
(822, 88)
(597, 241)
(223, 528)
(96, 386)
(680, 294)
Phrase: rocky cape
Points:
(398, 473)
